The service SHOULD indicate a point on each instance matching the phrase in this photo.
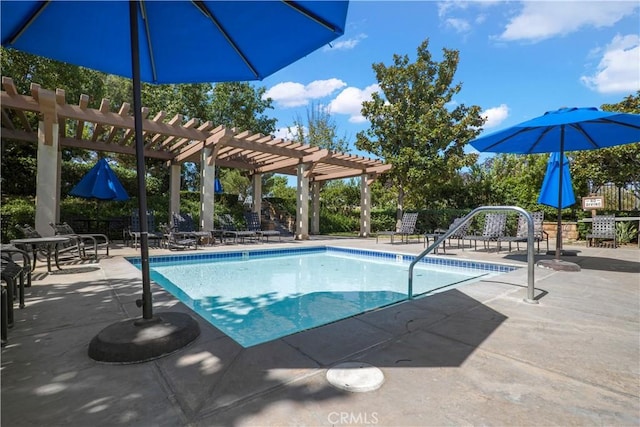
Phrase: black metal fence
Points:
(619, 198)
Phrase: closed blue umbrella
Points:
(566, 129)
(171, 42)
(217, 186)
(100, 183)
(551, 183)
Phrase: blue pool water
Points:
(260, 295)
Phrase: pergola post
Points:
(48, 165)
(302, 204)
(256, 183)
(365, 206)
(174, 190)
(207, 188)
(315, 211)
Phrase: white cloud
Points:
(541, 20)
(345, 44)
(349, 101)
(619, 67)
(459, 25)
(290, 94)
(285, 133)
(495, 116)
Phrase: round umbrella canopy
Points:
(550, 184)
(179, 41)
(100, 183)
(566, 129)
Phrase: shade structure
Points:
(100, 183)
(171, 42)
(566, 129)
(551, 183)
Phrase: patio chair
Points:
(458, 234)
(184, 225)
(522, 231)
(493, 231)
(406, 229)
(603, 227)
(73, 248)
(153, 234)
(253, 224)
(229, 229)
(97, 240)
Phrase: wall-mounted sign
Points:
(592, 202)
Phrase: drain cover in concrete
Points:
(355, 376)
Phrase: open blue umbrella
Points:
(566, 129)
(171, 42)
(100, 183)
(551, 183)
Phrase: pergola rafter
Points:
(103, 130)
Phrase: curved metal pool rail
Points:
(530, 247)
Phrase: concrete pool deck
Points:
(475, 355)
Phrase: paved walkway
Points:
(475, 355)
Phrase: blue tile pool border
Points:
(265, 253)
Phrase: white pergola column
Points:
(315, 211)
(207, 188)
(47, 181)
(174, 190)
(302, 205)
(256, 183)
(365, 206)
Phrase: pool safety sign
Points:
(592, 203)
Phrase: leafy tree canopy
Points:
(416, 126)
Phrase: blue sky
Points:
(517, 59)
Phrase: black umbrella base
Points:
(141, 340)
(558, 265)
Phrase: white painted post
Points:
(365, 206)
(302, 205)
(174, 190)
(207, 189)
(47, 181)
(315, 212)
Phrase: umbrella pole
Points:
(147, 305)
(141, 340)
(559, 230)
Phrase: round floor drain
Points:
(355, 376)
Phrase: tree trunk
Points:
(399, 207)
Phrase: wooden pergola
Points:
(102, 130)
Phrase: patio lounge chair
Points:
(253, 224)
(178, 240)
(493, 231)
(229, 229)
(603, 227)
(97, 240)
(134, 230)
(406, 229)
(522, 231)
(184, 225)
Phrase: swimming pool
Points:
(255, 296)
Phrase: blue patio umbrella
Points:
(566, 129)
(550, 185)
(100, 183)
(171, 42)
(217, 186)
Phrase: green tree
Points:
(416, 127)
(619, 164)
(319, 130)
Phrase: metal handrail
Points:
(530, 251)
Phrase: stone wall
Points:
(569, 230)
